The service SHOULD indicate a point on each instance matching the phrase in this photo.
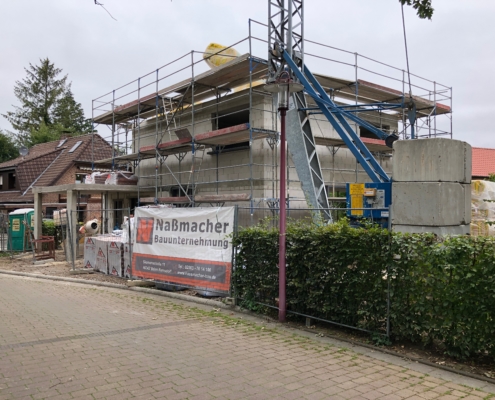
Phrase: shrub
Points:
(441, 290)
(48, 228)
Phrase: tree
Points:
(45, 134)
(47, 104)
(423, 7)
(69, 114)
(8, 150)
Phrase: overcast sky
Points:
(99, 54)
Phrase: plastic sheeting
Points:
(482, 211)
(224, 55)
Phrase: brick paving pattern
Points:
(70, 341)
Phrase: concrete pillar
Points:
(38, 214)
(109, 213)
(72, 224)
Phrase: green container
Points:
(18, 233)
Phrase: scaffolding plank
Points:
(369, 92)
(173, 147)
(374, 145)
(125, 111)
(228, 76)
(231, 135)
(151, 200)
(220, 198)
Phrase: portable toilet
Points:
(17, 230)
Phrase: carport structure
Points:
(109, 193)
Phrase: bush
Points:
(48, 228)
(441, 290)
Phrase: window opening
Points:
(12, 183)
(363, 132)
(228, 118)
(177, 191)
(49, 212)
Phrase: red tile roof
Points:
(46, 163)
(483, 162)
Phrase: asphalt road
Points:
(71, 341)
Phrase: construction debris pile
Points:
(113, 178)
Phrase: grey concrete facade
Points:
(254, 169)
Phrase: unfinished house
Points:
(197, 136)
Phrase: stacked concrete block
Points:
(431, 190)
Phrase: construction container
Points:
(19, 233)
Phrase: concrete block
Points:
(431, 204)
(432, 160)
(438, 230)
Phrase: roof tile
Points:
(483, 162)
(46, 163)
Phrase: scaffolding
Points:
(198, 136)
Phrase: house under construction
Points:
(196, 135)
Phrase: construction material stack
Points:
(431, 189)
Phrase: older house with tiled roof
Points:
(483, 162)
(48, 164)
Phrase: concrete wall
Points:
(431, 191)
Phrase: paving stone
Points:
(71, 341)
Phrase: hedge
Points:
(442, 291)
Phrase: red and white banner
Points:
(186, 246)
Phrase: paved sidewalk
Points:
(69, 341)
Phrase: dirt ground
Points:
(484, 369)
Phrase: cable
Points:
(407, 56)
(99, 4)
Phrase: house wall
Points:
(90, 205)
(231, 172)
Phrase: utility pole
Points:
(283, 35)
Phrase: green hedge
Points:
(442, 291)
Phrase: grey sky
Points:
(100, 54)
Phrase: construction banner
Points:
(184, 246)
